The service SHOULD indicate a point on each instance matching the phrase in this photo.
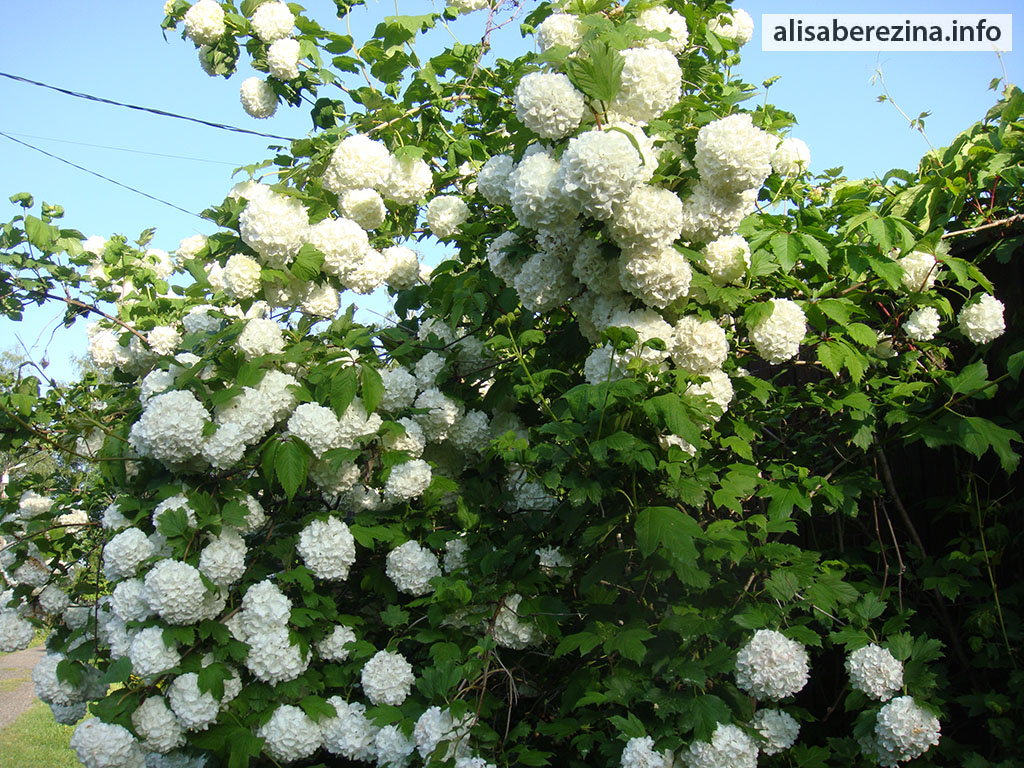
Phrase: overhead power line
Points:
(125, 149)
(160, 112)
(100, 175)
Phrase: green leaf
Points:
(978, 435)
(667, 411)
(173, 522)
(118, 672)
(970, 379)
(629, 643)
(786, 248)
(862, 334)
(815, 250)
(344, 385)
(1015, 364)
(373, 388)
(599, 75)
(290, 467)
(308, 263)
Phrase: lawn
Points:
(36, 740)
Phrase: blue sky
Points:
(116, 49)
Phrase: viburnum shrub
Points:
(633, 476)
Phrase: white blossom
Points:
(791, 157)
(290, 735)
(387, 678)
(411, 567)
(105, 745)
(349, 733)
(283, 58)
(258, 98)
(730, 747)
(652, 84)
(875, 672)
(327, 548)
(445, 214)
(923, 324)
(358, 162)
(778, 729)
(548, 104)
(778, 336)
(771, 666)
(272, 21)
(982, 321)
(204, 22)
(733, 155)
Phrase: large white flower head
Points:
(387, 678)
(52, 690)
(598, 171)
(445, 214)
(778, 336)
(175, 591)
(467, 6)
(258, 98)
(157, 726)
(222, 560)
(709, 213)
(727, 259)
(403, 267)
(369, 274)
(128, 601)
(923, 324)
(652, 83)
(778, 729)
(595, 270)
(124, 553)
(260, 337)
(904, 731)
(548, 104)
(407, 481)
(272, 21)
(150, 656)
(544, 282)
(393, 748)
(399, 388)
(730, 747)
(698, 346)
(639, 753)
(241, 276)
(493, 179)
(316, 426)
(170, 429)
(441, 414)
(290, 735)
(559, 29)
(204, 22)
(363, 206)
(409, 180)
(771, 666)
(163, 340)
(32, 504)
(342, 242)
(657, 277)
(349, 733)
(919, 270)
(246, 419)
(276, 227)
(273, 658)
(661, 19)
(327, 548)
(276, 387)
(733, 155)
(358, 162)
(649, 220)
(875, 672)
(283, 59)
(16, 632)
(105, 745)
(320, 301)
(411, 567)
(536, 194)
(194, 709)
(736, 25)
(791, 157)
(982, 321)
(437, 725)
(332, 647)
(510, 630)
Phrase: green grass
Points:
(36, 740)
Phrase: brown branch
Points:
(1000, 223)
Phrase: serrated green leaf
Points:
(599, 74)
(862, 334)
(787, 250)
(373, 388)
(290, 467)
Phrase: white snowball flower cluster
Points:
(15, 632)
(652, 84)
(408, 181)
(272, 656)
(778, 336)
(199, 320)
(598, 171)
(639, 753)
(558, 29)
(771, 666)
(194, 709)
(650, 219)
(290, 734)
(157, 726)
(393, 747)
(178, 501)
(403, 267)
(31, 504)
(105, 745)
(875, 672)
(52, 600)
(163, 340)
(730, 747)
(316, 426)
(204, 22)
(407, 481)
(125, 552)
(349, 733)
(275, 226)
(493, 179)
(455, 551)
(189, 247)
(327, 548)
(272, 21)
(69, 714)
(698, 346)
(791, 157)
(445, 214)
(551, 560)
(175, 591)
(283, 58)
(399, 388)
(548, 104)
(437, 725)
(467, 6)
(509, 630)
(343, 243)
(332, 647)
(982, 321)
(727, 259)
(658, 277)
(441, 414)
(923, 324)
(903, 731)
(258, 98)
(387, 678)
(411, 567)
(778, 729)
(919, 270)
(536, 192)
(363, 206)
(661, 19)
(733, 155)
(544, 282)
(54, 691)
(128, 601)
(149, 655)
(241, 276)
(604, 364)
(358, 162)
(736, 25)
(170, 429)
(155, 383)
(709, 213)
(261, 337)
(320, 301)
(222, 560)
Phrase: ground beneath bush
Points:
(17, 693)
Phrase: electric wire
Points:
(125, 149)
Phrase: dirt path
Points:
(17, 693)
